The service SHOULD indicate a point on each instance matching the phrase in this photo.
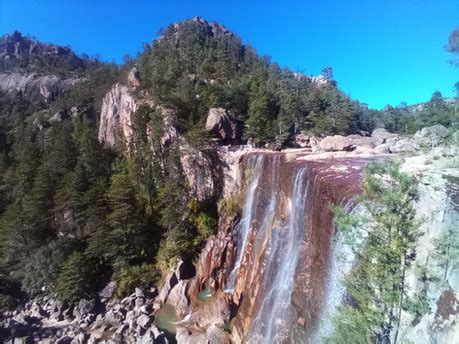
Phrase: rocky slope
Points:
(24, 68)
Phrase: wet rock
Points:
(224, 125)
(215, 260)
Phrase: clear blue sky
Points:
(382, 52)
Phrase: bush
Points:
(76, 278)
(42, 269)
(140, 276)
(175, 246)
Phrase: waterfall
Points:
(273, 319)
(255, 164)
(285, 266)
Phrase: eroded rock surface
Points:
(115, 118)
(34, 86)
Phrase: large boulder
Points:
(381, 135)
(405, 145)
(224, 125)
(430, 136)
(178, 298)
(337, 143)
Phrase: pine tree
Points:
(383, 240)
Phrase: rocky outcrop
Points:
(17, 46)
(216, 259)
(383, 142)
(34, 86)
(198, 169)
(115, 118)
(438, 211)
(224, 125)
(133, 79)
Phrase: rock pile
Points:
(44, 320)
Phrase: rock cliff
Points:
(115, 117)
(35, 87)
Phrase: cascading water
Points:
(243, 228)
(283, 247)
(272, 322)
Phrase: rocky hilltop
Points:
(16, 46)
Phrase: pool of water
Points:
(165, 319)
(204, 294)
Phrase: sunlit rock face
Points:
(438, 211)
(283, 244)
(115, 118)
(35, 87)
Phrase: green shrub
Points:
(178, 244)
(76, 278)
(42, 269)
(137, 276)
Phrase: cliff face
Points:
(34, 86)
(115, 117)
